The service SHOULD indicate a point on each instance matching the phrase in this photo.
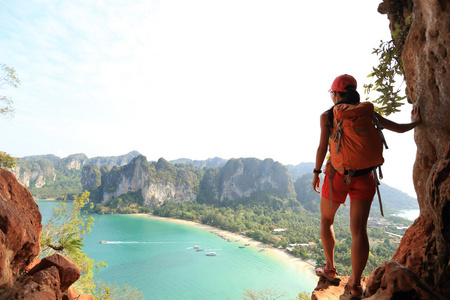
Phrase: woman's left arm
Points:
(416, 119)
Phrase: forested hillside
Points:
(215, 181)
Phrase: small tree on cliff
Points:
(9, 77)
(64, 232)
(390, 97)
(6, 160)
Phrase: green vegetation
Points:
(7, 161)
(9, 77)
(64, 232)
(108, 291)
(51, 179)
(129, 203)
(270, 294)
(390, 66)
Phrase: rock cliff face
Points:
(161, 181)
(113, 160)
(45, 174)
(35, 173)
(158, 193)
(209, 163)
(241, 178)
(425, 247)
(75, 161)
(156, 183)
(21, 276)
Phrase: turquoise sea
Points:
(157, 257)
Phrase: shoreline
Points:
(303, 265)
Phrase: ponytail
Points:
(351, 96)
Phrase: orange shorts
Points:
(360, 188)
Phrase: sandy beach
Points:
(300, 263)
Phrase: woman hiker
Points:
(361, 189)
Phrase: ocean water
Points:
(157, 257)
(410, 214)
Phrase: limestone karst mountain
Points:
(161, 181)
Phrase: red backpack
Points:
(357, 141)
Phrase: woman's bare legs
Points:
(359, 213)
(326, 229)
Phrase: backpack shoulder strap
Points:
(380, 128)
(377, 183)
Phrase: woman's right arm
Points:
(322, 149)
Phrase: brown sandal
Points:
(328, 274)
(356, 290)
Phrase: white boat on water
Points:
(196, 247)
(103, 242)
(211, 253)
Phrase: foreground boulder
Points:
(20, 227)
(21, 275)
(68, 272)
(394, 281)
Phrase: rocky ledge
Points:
(389, 281)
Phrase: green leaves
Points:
(389, 69)
(64, 232)
(7, 161)
(8, 76)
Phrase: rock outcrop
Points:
(389, 281)
(49, 171)
(156, 182)
(21, 275)
(162, 181)
(35, 173)
(20, 227)
(75, 161)
(424, 252)
(215, 162)
(111, 161)
(394, 281)
(425, 248)
(243, 177)
(326, 290)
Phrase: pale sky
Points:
(187, 79)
